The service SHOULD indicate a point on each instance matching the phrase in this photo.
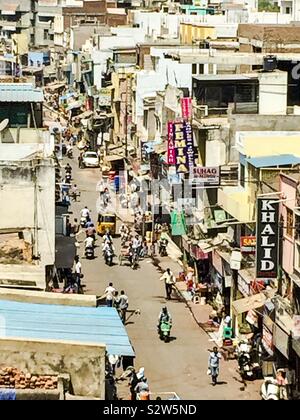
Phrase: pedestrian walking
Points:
(169, 280)
(109, 293)
(213, 365)
(123, 306)
(78, 273)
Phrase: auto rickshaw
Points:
(106, 222)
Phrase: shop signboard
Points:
(171, 150)
(186, 108)
(243, 286)
(248, 244)
(267, 238)
(197, 253)
(104, 97)
(206, 175)
(267, 340)
(281, 341)
(183, 147)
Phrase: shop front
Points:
(221, 276)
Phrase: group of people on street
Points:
(116, 300)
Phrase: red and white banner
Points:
(186, 108)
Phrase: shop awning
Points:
(295, 279)
(85, 114)
(246, 304)
(296, 346)
(74, 105)
(55, 86)
(112, 158)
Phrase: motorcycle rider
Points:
(162, 246)
(89, 242)
(85, 212)
(107, 237)
(164, 316)
(108, 250)
(123, 231)
(90, 231)
(68, 169)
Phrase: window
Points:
(289, 222)
(194, 68)
(201, 68)
(242, 175)
(287, 10)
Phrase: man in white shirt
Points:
(169, 280)
(85, 212)
(77, 271)
(109, 293)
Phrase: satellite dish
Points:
(4, 124)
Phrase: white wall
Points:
(272, 93)
(100, 63)
(215, 153)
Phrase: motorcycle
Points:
(134, 260)
(163, 248)
(108, 256)
(271, 390)
(89, 252)
(244, 360)
(68, 178)
(70, 153)
(164, 331)
(83, 221)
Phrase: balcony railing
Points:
(202, 111)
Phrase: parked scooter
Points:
(164, 331)
(271, 390)
(244, 360)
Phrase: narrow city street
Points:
(179, 366)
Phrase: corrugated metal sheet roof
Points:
(100, 325)
(20, 92)
(270, 161)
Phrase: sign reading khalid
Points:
(183, 146)
(267, 238)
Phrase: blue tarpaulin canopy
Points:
(270, 161)
(100, 325)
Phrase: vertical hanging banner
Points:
(171, 150)
(183, 145)
(186, 108)
(267, 238)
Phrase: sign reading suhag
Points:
(267, 238)
(207, 175)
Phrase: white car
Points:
(90, 160)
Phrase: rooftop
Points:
(216, 77)
(271, 161)
(20, 92)
(80, 324)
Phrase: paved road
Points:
(180, 365)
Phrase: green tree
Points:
(267, 6)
